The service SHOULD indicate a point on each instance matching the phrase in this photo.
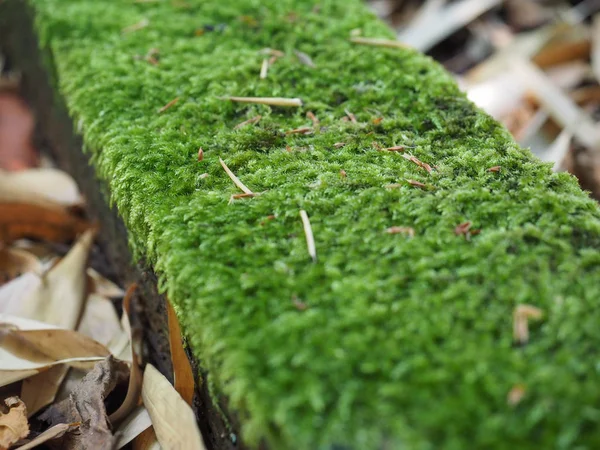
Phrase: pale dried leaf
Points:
(13, 424)
(41, 389)
(101, 322)
(51, 433)
(564, 110)
(272, 101)
(138, 421)
(558, 150)
(59, 296)
(310, 239)
(39, 186)
(146, 440)
(436, 26)
(164, 404)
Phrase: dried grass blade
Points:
(272, 101)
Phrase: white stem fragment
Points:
(376, 42)
(310, 239)
(273, 101)
(235, 179)
(264, 69)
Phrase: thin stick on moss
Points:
(272, 101)
(136, 26)
(314, 119)
(310, 239)
(264, 68)
(250, 121)
(235, 179)
(168, 105)
(418, 162)
(376, 42)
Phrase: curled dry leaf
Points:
(14, 262)
(101, 322)
(44, 187)
(13, 424)
(59, 295)
(135, 375)
(163, 404)
(85, 405)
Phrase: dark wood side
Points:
(55, 132)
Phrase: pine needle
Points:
(273, 101)
(253, 120)
(376, 42)
(310, 239)
(235, 179)
(168, 105)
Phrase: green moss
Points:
(406, 343)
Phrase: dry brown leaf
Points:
(14, 262)
(86, 406)
(163, 404)
(146, 440)
(45, 186)
(135, 424)
(182, 370)
(135, 376)
(54, 224)
(596, 47)
(51, 433)
(13, 424)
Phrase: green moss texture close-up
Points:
(387, 340)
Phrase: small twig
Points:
(310, 239)
(314, 119)
(494, 169)
(168, 105)
(351, 116)
(273, 101)
(396, 148)
(235, 179)
(264, 68)
(136, 26)
(253, 120)
(418, 162)
(301, 130)
(390, 43)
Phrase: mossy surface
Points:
(404, 342)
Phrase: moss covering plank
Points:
(390, 339)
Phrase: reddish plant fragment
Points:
(351, 116)
(407, 231)
(301, 130)
(200, 154)
(343, 173)
(417, 184)
(314, 119)
(168, 105)
(299, 304)
(377, 120)
(16, 128)
(494, 169)
(462, 228)
(397, 148)
(418, 162)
